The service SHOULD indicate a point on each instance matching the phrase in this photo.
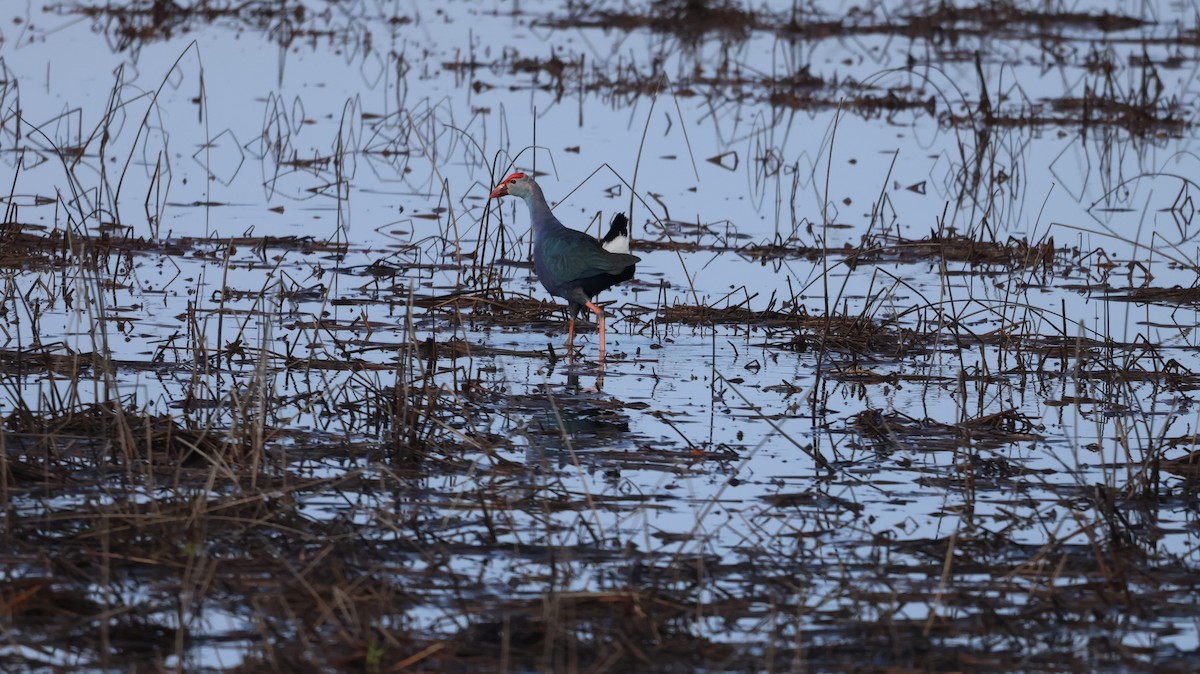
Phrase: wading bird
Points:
(568, 262)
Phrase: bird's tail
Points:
(617, 239)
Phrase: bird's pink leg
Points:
(570, 332)
(599, 318)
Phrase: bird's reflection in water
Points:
(575, 374)
(575, 415)
(573, 379)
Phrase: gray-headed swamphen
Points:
(568, 262)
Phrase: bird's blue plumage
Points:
(575, 266)
(569, 263)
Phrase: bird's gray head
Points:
(517, 185)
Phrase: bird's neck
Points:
(540, 214)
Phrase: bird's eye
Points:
(513, 181)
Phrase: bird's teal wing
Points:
(573, 255)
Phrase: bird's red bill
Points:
(502, 189)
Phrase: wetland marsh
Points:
(904, 382)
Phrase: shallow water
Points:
(815, 173)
